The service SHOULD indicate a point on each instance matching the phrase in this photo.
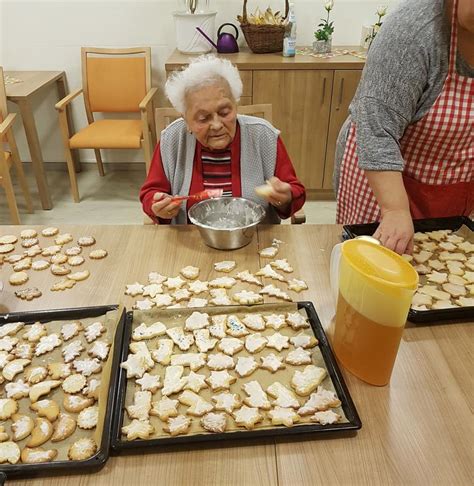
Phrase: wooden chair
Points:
(113, 81)
(10, 158)
(164, 116)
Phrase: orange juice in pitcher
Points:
(374, 292)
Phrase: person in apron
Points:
(426, 163)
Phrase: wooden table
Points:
(22, 93)
(417, 430)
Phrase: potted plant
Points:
(381, 12)
(323, 35)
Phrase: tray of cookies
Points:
(226, 373)
(443, 256)
(59, 371)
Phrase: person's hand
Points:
(280, 195)
(396, 231)
(163, 207)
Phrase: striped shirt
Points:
(217, 170)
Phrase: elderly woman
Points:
(212, 147)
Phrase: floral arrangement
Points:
(326, 28)
(381, 12)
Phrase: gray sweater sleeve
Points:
(395, 79)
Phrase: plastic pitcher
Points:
(374, 288)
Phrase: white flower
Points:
(375, 28)
(329, 5)
(382, 10)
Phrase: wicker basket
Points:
(263, 39)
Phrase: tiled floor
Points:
(112, 199)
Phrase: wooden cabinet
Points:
(310, 98)
(344, 87)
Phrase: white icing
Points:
(246, 276)
(198, 287)
(72, 350)
(193, 360)
(272, 362)
(247, 416)
(269, 252)
(174, 283)
(203, 341)
(173, 382)
(297, 320)
(256, 396)
(157, 278)
(255, 342)
(197, 320)
(268, 272)
(99, 349)
(283, 397)
(230, 345)
(162, 355)
(152, 290)
(87, 366)
(247, 297)
(93, 331)
(225, 266)
(226, 401)
(69, 330)
(299, 356)
(220, 361)
(225, 282)
(180, 338)
(220, 379)
(148, 332)
(235, 327)
(276, 321)
(195, 382)
(196, 302)
(162, 300)
(282, 265)
(134, 289)
(278, 341)
(246, 366)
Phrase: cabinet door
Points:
(301, 102)
(344, 88)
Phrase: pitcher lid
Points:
(379, 263)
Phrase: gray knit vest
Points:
(258, 150)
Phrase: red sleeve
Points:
(156, 181)
(285, 171)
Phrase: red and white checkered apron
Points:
(438, 151)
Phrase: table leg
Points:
(35, 152)
(62, 91)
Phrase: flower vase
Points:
(322, 46)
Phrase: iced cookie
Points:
(275, 321)
(87, 366)
(245, 366)
(283, 416)
(22, 426)
(152, 290)
(247, 417)
(273, 291)
(226, 401)
(141, 406)
(42, 388)
(197, 287)
(319, 401)
(218, 327)
(165, 408)
(48, 409)
(255, 342)
(219, 362)
(87, 418)
(70, 330)
(173, 381)
(223, 282)
(225, 266)
(298, 356)
(41, 433)
(197, 405)
(278, 341)
(304, 341)
(138, 429)
(283, 396)
(12, 368)
(195, 382)
(235, 327)
(197, 320)
(8, 407)
(306, 381)
(99, 349)
(254, 322)
(174, 283)
(9, 452)
(296, 320)
(282, 265)
(203, 340)
(268, 272)
(297, 285)
(93, 331)
(17, 389)
(29, 293)
(76, 403)
(63, 428)
(134, 289)
(190, 272)
(247, 277)
(256, 396)
(177, 425)
(327, 417)
(195, 361)
(47, 344)
(36, 374)
(220, 380)
(82, 449)
(180, 338)
(74, 383)
(59, 370)
(247, 297)
(162, 354)
(72, 350)
(230, 345)
(214, 422)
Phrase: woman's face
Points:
(211, 115)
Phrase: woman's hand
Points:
(163, 207)
(280, 196)
(396, 231)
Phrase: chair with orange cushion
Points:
(10, 158)
(114, 81)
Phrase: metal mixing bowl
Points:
(226, 223)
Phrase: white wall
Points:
(47, 35)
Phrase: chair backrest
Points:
(115, 80)
(164, 116)
(3, 97)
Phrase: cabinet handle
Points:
(341, 90)
(324, 91)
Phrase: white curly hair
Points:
(202, 71)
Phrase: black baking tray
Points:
(97, 461)
(423, 225)
(354, 423)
